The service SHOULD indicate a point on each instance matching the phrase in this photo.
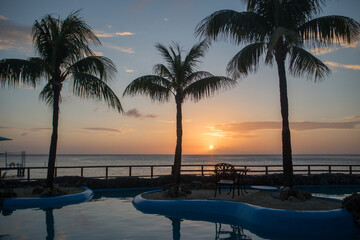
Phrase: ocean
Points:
(64, 160)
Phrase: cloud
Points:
(339, 65)
(126, 50)
(103, 129)
(139, 6)
(329, 49)
(323, 50)
(13, 36)
(3, 18)
(104, 34)
(128, 70)
(124, 33)
(136, 114)
(247, 129)
(166, 19)
(98, 53)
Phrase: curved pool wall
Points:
(48, 202)
(265, 222)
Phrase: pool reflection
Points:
(50, 224)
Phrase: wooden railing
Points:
(151, 171)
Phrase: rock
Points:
(7, 193)
(209, 186)
(287, 192)
(196, 185)
(307, 195)
(38, 190)
(284, 195)
(275, 195)
(293, 199)
(352, 204)
(300, 196)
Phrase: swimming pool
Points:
(111, 215)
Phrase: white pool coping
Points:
(48, 202)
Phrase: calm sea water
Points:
(114, 160)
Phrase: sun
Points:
(211, 147)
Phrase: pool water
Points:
(111, 215)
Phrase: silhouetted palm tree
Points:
(179, 78)
(64, 53)
(277, 29)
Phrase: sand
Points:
(255, 197)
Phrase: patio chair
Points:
(225, 175)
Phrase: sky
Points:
(325, 116)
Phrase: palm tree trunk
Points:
(286, 139)
(177, 161)
(54, 137)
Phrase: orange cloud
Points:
(339, 65)
(126, 50)
(104, 34)
(247, 129)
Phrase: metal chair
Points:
(225, 175)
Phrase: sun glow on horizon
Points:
(211, 147)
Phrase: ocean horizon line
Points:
(171, 154)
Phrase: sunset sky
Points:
(325, 116)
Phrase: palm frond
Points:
(162, 71)
(207, 87)
(47, 94)
(282, 34)
(90, 87)
(239, 26)
(303, 62)
(164, 52)
(329, 30)
(61, 42)
(246, 61)
(195, 76)
(156, 87)
(18, 71)
(192, 58)
(99, 66)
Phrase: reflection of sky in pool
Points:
(111, 215)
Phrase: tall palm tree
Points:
(179, 78)
(277, 29)
(64, 53)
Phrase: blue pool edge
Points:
(48, 202)
(338, 222)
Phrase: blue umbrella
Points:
(4, 139)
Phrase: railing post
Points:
(28, 174)
(202, 170)
(82, 171)
(350, 169)
(329, 169)
(129, 171)
(266, 170)
(55, 171)
(309, 171)
(106, 172)
(152, 171)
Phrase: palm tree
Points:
(64, 53)
(179, 78)
(277, 29)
